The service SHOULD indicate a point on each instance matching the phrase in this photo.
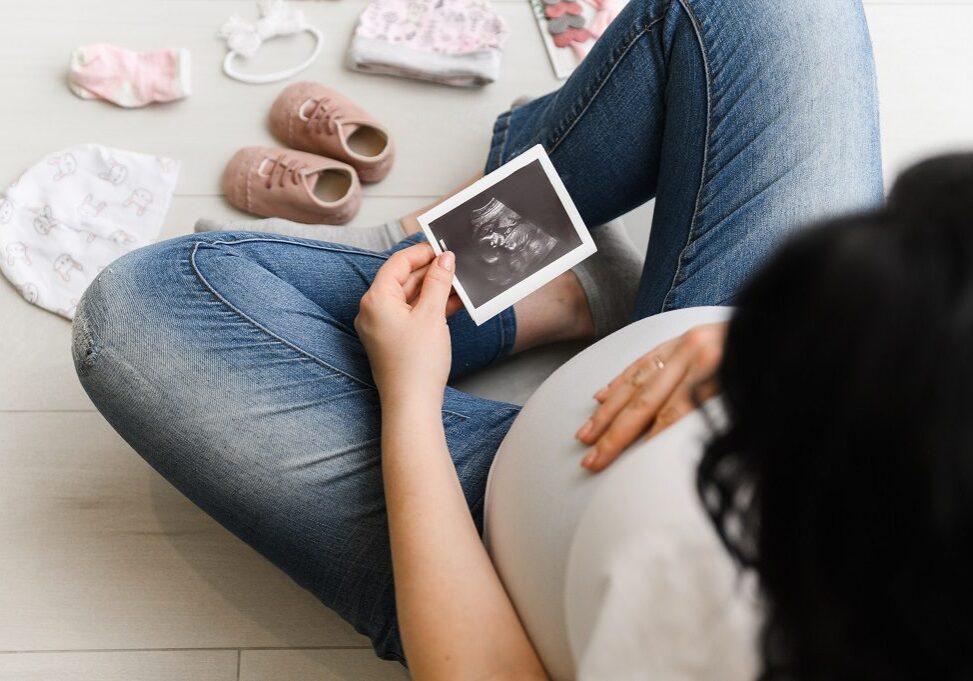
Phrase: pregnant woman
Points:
(296, 389)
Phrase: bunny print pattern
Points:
(6, 211)
(75, 211)
(115, 174)
(64, 164)
(17, 252)
(140, 198)
(30, 292)
(45, 221)
(89, 208)
(121, 237)
(64, 264)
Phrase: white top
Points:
(617, 575)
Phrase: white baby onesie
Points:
(74, 212)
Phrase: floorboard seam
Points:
(48, 411)
(239, 650)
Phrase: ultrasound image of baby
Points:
(512, 232)
(508, 246)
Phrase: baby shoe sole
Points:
(377, 172)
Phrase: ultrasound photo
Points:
(507, 246)
(512, 231)
(506, 233)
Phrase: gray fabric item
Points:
(372, 55)
(521, 101)
(380, 238)
(610, 278)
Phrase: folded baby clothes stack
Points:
(454, 42)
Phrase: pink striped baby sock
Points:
(127, 78)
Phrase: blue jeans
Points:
(229, 361)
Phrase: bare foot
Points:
(558, 311)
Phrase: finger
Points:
(437, 284)
(683, 401)
(610, 404)
(661, 352)
(699, 385)
(453, 304)
(634, 419)
(396, 270)
(621, 391)
(695, 355)
(410, 289)
(678, 405)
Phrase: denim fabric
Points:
(744, 120)
(229, 361)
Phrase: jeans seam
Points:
(83, 336)
(209, 287)
(320, 246)
(498, 141)
(589, 99)
(681, 260)
(508, 335)
(503, 141)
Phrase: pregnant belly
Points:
(537, 492)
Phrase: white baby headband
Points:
(245, 39)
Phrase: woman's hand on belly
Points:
(654, 392)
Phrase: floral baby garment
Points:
(67, 217)
(454, 42)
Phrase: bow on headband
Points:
(244, 39)
(276, 19)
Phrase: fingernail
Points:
(600, 393)
(589, 458)
(446, 261)
(584, 429)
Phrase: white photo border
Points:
(521, 289)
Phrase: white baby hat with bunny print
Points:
(74, 212)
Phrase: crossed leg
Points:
(229, 360)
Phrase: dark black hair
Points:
(845, 474)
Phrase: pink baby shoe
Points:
(314, 118)
(294, 185)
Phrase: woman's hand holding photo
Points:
(402, 323)
(654, 392)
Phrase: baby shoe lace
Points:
(324, 115)
(284, 168)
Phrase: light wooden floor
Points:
(106, 573)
